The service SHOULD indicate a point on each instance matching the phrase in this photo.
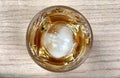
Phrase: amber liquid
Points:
(49, 25)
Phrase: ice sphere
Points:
(59, 44)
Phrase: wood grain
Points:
(104, 60)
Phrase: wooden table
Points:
(104, 60)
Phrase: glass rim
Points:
(35, 17)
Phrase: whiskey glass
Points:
(59, 38)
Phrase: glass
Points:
(59, 38)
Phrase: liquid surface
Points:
(58, 41)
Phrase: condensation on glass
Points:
(59, 38)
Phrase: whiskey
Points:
(58, 39)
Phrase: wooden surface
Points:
(104, 60)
